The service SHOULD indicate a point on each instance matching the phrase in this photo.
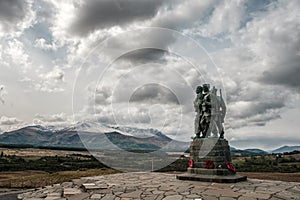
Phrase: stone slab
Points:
(71, 191)
(80, 196)
(90, 186)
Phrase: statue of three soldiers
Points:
(210, 112)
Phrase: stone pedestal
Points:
(212, 149)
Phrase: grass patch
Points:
(34, 179)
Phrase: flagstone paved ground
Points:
(160, 186)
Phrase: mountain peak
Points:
(92, 135)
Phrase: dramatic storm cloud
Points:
(137, 63)
(95, 15)
(155, 94)
(15, 15)
(141, 56)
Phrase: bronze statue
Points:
(210, 112)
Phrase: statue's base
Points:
(213, 150)
(220, 172)
(212, 178)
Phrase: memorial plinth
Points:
(211, 159)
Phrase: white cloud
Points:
(15, 55)
(56, 75)
(64, 15)
(59, 119)
(261, 53)
(273, 38)
(52, 81)
(9, 121)
(43, 44)
(183, 15)
(226, 18)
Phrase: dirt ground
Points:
(288, 177)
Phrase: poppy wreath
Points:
(191, 163)
(230, 167)
(209, 164)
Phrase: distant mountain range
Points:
(286, 149)
(249, 152)
(93, 136)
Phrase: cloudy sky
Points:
(136, 63)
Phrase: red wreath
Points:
(191, 163)
(209, 164)
(230, 167)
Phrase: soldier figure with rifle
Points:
(210, 112)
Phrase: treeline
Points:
(289, 153)
(26, 146)
(49, 163)
(271, 163)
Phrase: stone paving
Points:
(160, 186)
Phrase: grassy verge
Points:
(268, 163)
(33, 179)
